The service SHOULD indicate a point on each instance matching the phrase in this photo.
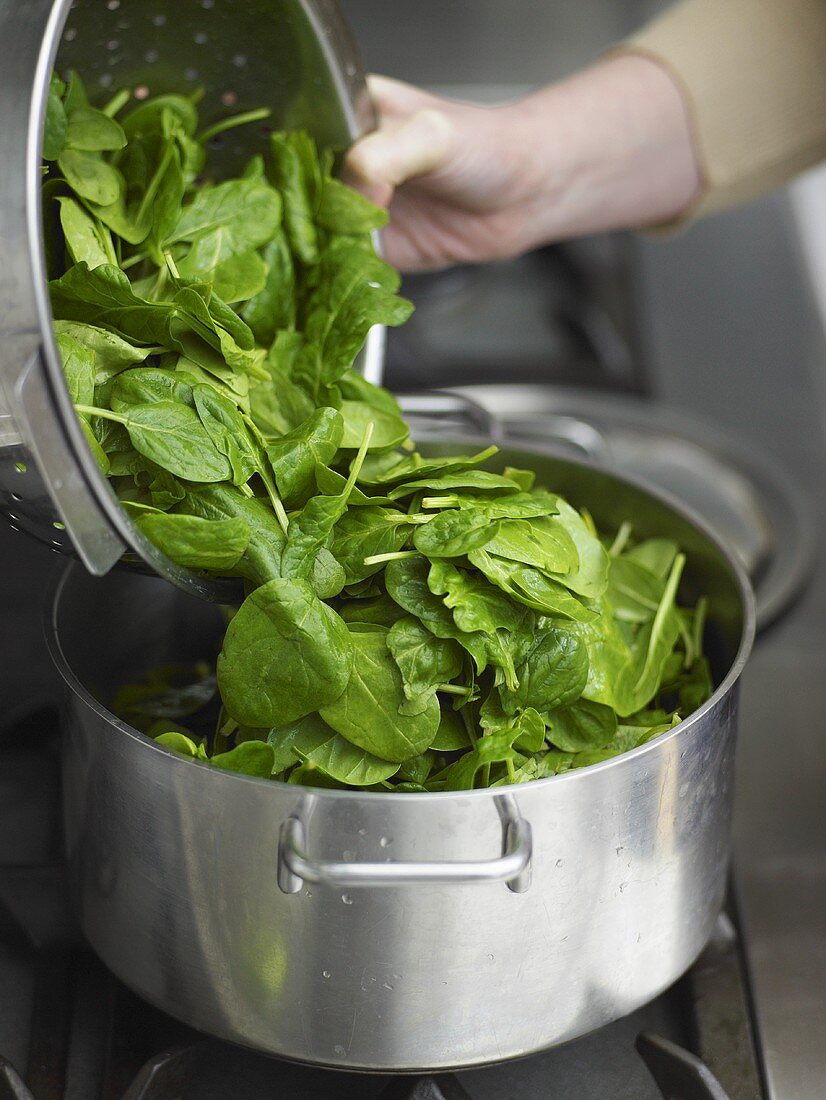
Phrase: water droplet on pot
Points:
(362, 832)
(339, 1049)
(346, 899)
(490, 958)
(326, 974)
(560, 862)
(385, 841)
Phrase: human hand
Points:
(608, 148)
(457, 178)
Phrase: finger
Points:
(395, 98)
(390, 156)
(407, 254)
(376, 191)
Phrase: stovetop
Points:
(70, 1031)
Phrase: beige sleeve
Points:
(754, 76)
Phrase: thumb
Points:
(397, 152)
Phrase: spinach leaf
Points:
(387, 471)
(112, 353)
(78, 368)
(355, 290)
(389, 429)
(244, 214)
(172, 436)
(228, 432)
(656, 555)
(476, 604)
(495, 748)
(381, 611)
(367, 532)
(56, 127)
(537, 542)
(583, 726)
(294, 186)
(478, 480)
(342, 210)
(529, 727)
(273, 307)
(104, 298)
(452, 735)
(406, 582)
(251, 758)
(424, 661)
(144, 385)
(513, 506)
(197, 543)
(454, 534)
(180, 743)
(261, 562)
(634, 591)
(328, 577)
(86, 239)
(367, 713)
(92, 131)
(531, 587)
(90, 176)
(285, 654)
(590, 577)
(319, 746)
(552, 675)
(294, 455)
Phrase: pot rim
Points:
(747, 635)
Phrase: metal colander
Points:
(294, 56)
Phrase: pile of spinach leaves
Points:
(413, 624)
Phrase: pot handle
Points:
(295, 867)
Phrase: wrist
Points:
(609, 148)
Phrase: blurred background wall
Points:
(491, 46)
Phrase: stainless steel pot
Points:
(388, 931)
